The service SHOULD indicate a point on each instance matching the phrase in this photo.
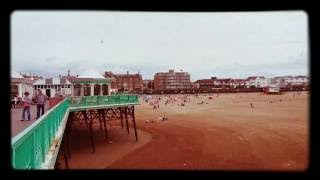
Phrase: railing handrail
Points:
(34, 124)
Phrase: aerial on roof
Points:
(14, 74)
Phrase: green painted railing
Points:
(85, 101)
(30, 147)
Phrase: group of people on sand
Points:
(40, 100)
(178, 99)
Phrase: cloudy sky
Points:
(235, 44)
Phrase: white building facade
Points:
(284, 81)
(20, 85)
(257, 81)
(53, 86)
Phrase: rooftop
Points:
(91, 74)
(14, 74)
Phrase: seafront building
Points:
(125, 82)
(172, 80)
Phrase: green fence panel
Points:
(38, 141)
(46, 135)
(23, 154)
(103, 100)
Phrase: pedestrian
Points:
(26, 106)
(15, 101)
(251, 105)
(40, 100)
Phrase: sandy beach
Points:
(244, 131)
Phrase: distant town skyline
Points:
(225, 45)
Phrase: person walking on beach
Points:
(26, 106)
(41, 100)
(251, 105)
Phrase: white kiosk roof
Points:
(91, 74)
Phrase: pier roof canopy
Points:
(91, 76)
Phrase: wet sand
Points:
(225, 134)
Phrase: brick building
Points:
(172, 80)
(221, 82)
(205, 83)
(148, 84)
(237, 83)
(126, 82)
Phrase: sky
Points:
(205, 44)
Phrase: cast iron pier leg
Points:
(134, 124)
(126, 114)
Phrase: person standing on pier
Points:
(41, 100)
(26, 106)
